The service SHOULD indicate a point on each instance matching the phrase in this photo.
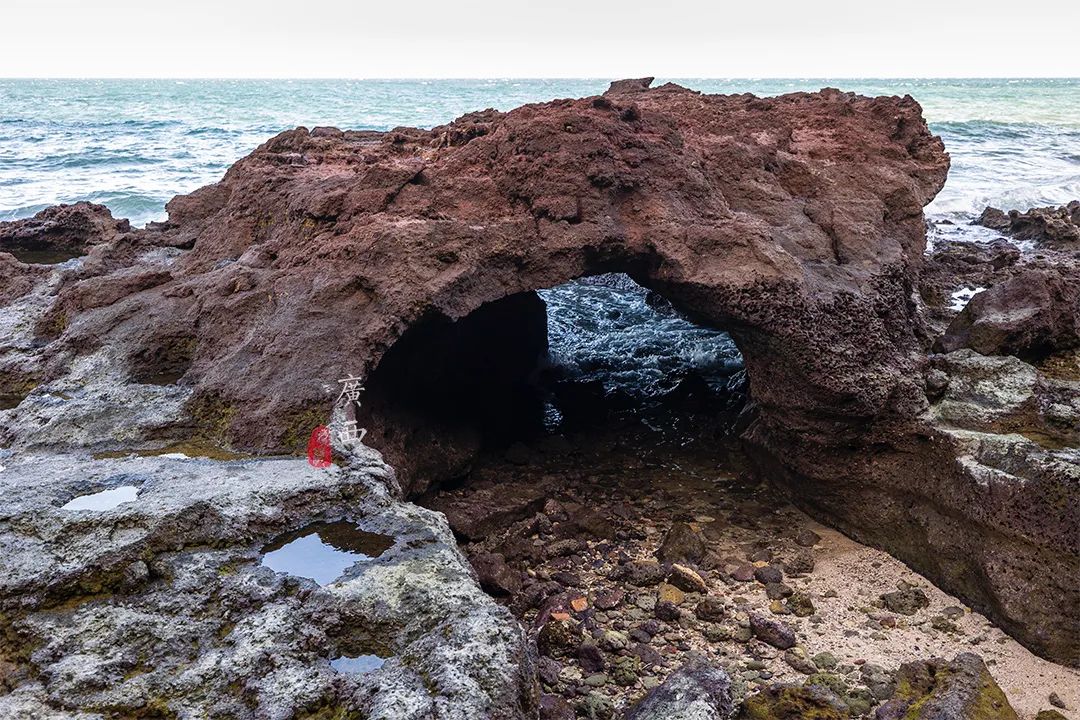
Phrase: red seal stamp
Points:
(319, 452)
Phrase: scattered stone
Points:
(944, 624)
(800, 605)
(646, 602)
(806, 537)
(548, 671)
(596, 680)
(699, 690)
(795, 702)
(772, 631)
(879, 680)
(1050, 715)
(666, 610)
(644, 573)
(625, 671)
(744, 572)
(608, 599)
(802, 563)
(558, 637)
(778, 591)
(590, 658)
(953, 612)
(555, 707)
(778, 608)
(682, 544)
(595, 706)
(496, 577)
(1056, 701)
(687, 579)
(797, 659)
(710, 609)
(825, 660)
(614, 640)
(907, 601)
(962, 688)
(768, 574)
(670, 594)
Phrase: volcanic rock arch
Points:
(794, 222)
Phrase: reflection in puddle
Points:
(104, 500)
(323, 551)
(356, 665)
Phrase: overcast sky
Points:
(548, 38)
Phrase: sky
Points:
(550, 38)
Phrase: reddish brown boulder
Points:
(1033, 314)
(63, 227)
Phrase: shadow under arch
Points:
(449, 388)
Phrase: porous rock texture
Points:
(939, 689)
(161, 608)
(699, 690)
(793, 222)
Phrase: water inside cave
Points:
(617, 348)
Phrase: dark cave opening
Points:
(597, 352)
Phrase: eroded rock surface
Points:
(160, 607)
(1056, 227)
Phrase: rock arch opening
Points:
(597, 351)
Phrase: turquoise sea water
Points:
(134, 144)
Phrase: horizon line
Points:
(539, 77)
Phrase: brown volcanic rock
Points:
(63, 227)
(16, 278)
(795, 222)
(1056, 227)
(1032, 314)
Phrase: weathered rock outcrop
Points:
(76, 228)
(161, 607)
(794, 222)
(1055, 227)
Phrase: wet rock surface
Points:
(162, 606)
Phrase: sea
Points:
(134, 144)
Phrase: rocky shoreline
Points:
(924, 404)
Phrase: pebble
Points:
(670, 594)
(825, 660)
(687, 579)
(768, 574)
(743, 572)
(772, 631)
(596, 680)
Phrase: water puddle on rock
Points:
(357, 665)
(324, 551)
(104, 500)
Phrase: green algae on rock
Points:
(961, 689)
